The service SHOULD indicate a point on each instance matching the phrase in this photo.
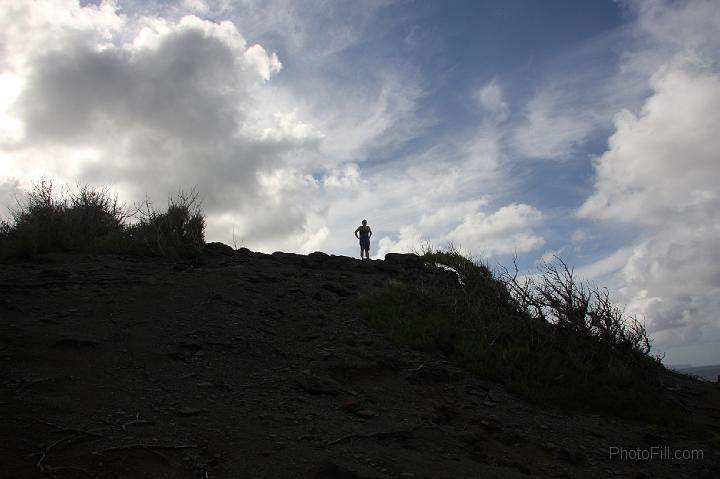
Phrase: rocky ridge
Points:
(259, 366)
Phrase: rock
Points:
(356, 408)
(219, 248)
(405, 260)
(318, 384)
(288, 258)
(365, 413)
(319, 256)
(190, 411)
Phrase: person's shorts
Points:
(365, 243)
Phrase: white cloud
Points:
(10, 191)
(148, 105)
(658, 176)
(196, 6)
(491, 99)
(579, 236)
(662, 162)
(550, 255)
(555, 125)
(508, 230)
(605, 267)
(152, 100)
(409, 240)
(381, 117)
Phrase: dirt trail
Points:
(258, 366)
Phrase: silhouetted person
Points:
(363, 233)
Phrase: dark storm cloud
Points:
(171, 113)
(187, 87)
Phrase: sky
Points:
(585, 129)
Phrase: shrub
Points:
(579, 310)
(44, 222)
(554, 358)
(177, 232)
(92, 221)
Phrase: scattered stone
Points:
(365, 413)
(205, 384)
(318, 384)
(355, 407)
(190, 411)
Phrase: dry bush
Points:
(550, 337)
(178, 231)
(576, 307)
(91, 220)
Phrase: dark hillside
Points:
(239, 364)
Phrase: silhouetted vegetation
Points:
(548, 336)
(93, 221)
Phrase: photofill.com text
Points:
(655, 453)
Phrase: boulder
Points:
(319, 256)
(406, 260)
(219, 248)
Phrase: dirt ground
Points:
(258, 366)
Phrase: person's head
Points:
(364, 222)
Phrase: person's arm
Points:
(369, 232)
(356, 233)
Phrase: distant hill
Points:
(709, 373)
